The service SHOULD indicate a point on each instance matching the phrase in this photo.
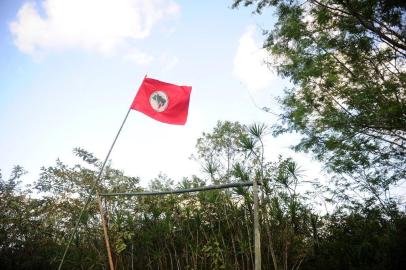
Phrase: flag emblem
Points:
(159, 101)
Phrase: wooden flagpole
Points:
(257, 235)
(93, 189)
(105, 231)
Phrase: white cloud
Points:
(249, 63)
(97, 25)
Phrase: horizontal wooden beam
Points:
(179, 191)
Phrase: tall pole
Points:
(257, 235)
(105, 231)
(93, 189)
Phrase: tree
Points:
(284, 215)
(65, 189)
(346, 60)
(221, 150)
(26, 239)
(360, 239)
(205, 230)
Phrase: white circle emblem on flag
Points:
(159, 101)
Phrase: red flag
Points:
(165, 102)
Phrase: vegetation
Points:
(346, 60)
(206, 230)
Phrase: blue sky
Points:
(69, 70)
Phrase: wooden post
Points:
(105, 230)
(257, 235)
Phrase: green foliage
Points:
(346, 60)
(364, 239)
(222, 149)
(205, 230)
(34, 230)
